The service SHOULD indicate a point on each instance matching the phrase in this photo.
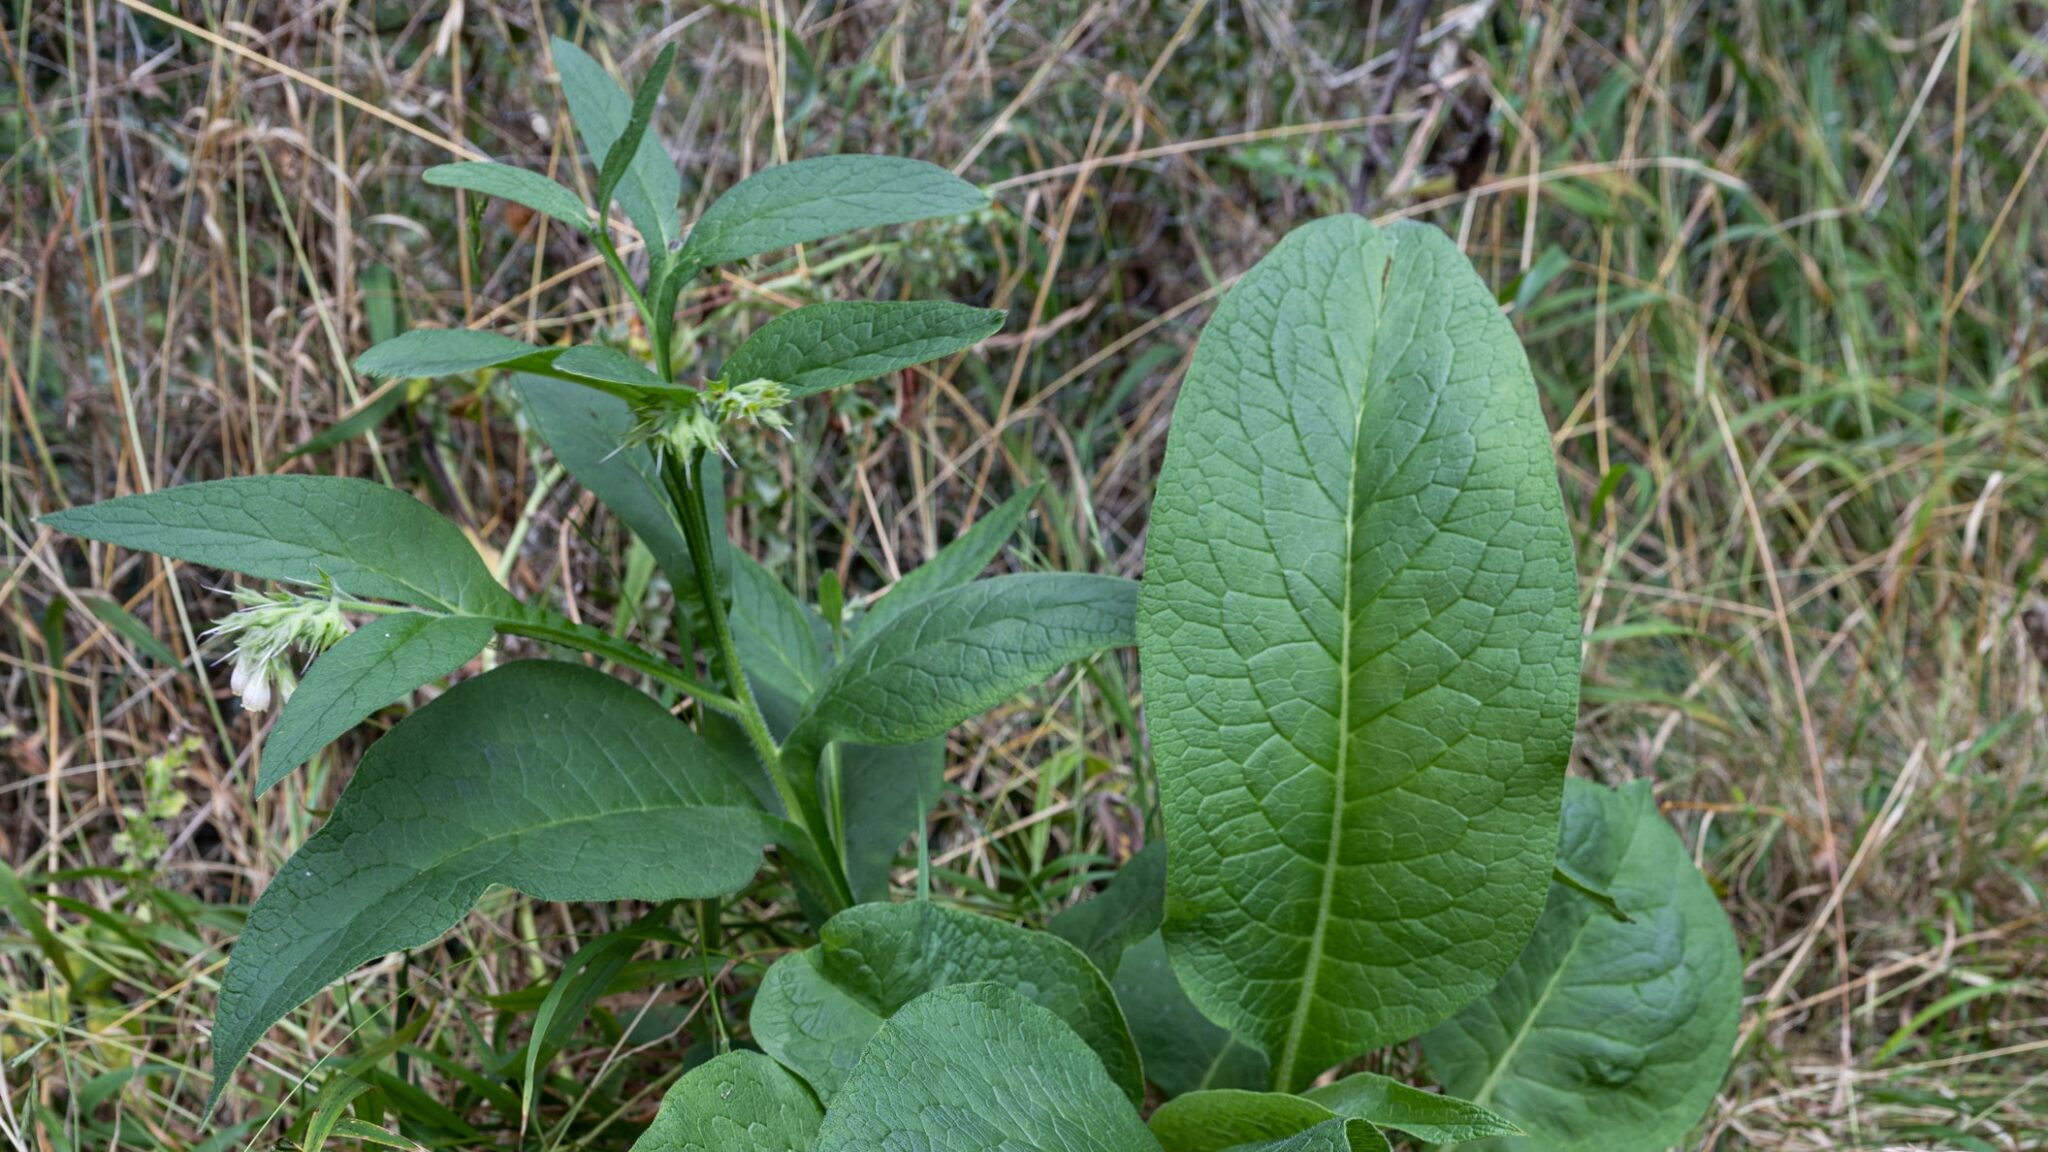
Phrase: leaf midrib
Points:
(1283, 1069)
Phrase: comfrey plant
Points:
(1359, 639)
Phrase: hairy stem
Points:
(798, 792)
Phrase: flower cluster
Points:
(689, 422)
(265, 628)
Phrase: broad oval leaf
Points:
(547, 777)
(651, 188)
(369, 540)
(977, 1067)
(1429, 1116)
(1359, 636)
(737, 1102)
(955, 655)
(873, 959)
(1329, 1136)
(1606, 1034)
(824, 346)
(506, 182)
(378, 663)
(1233, 1119)
(809, 200)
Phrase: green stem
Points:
(797, 792)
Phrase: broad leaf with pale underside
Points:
(1360, 645)
(977, 1067)
(547, 777)
(738, 1102)
(816, 1009)
(1606, 1034)
(518, 185)
(1233, 1119)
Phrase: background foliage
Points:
(1779, 268)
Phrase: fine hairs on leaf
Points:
(1358, 631)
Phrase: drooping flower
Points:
(265, 629)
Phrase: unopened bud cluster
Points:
(698, 421)
(265, 629)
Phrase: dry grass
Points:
(1779, 268)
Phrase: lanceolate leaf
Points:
(878, 957)
(887, 792)
(378, 663)
(1606, 1034)
(587, 432)
(773, 633)
(738, 1102)
(443, 352)
(651, 187)
(812, 199)
(1388, 1103)
(959, 653)
(428, 352)
(1360, 644)
(369, 540)
(622, 155)
(824, 346)
(547, 777)
(506, 182)
(1231, 1119)
(978, 1067)
(957, 563)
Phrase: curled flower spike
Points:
(686, 422)
(265, 629)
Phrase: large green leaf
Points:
(961, 560)
(978, 1067)
(1428, 1116)
(376, 664)
(1606, 1034)
(651, 188)
(1232, 1119)
(954, 655)
(824, 346)
(547, 777)
(812, 199)
(873, 959)
(1359, 636)
(738, 1102)
(506, 182)
(1329, 1136)
(1184, 1051)
(369, 540)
